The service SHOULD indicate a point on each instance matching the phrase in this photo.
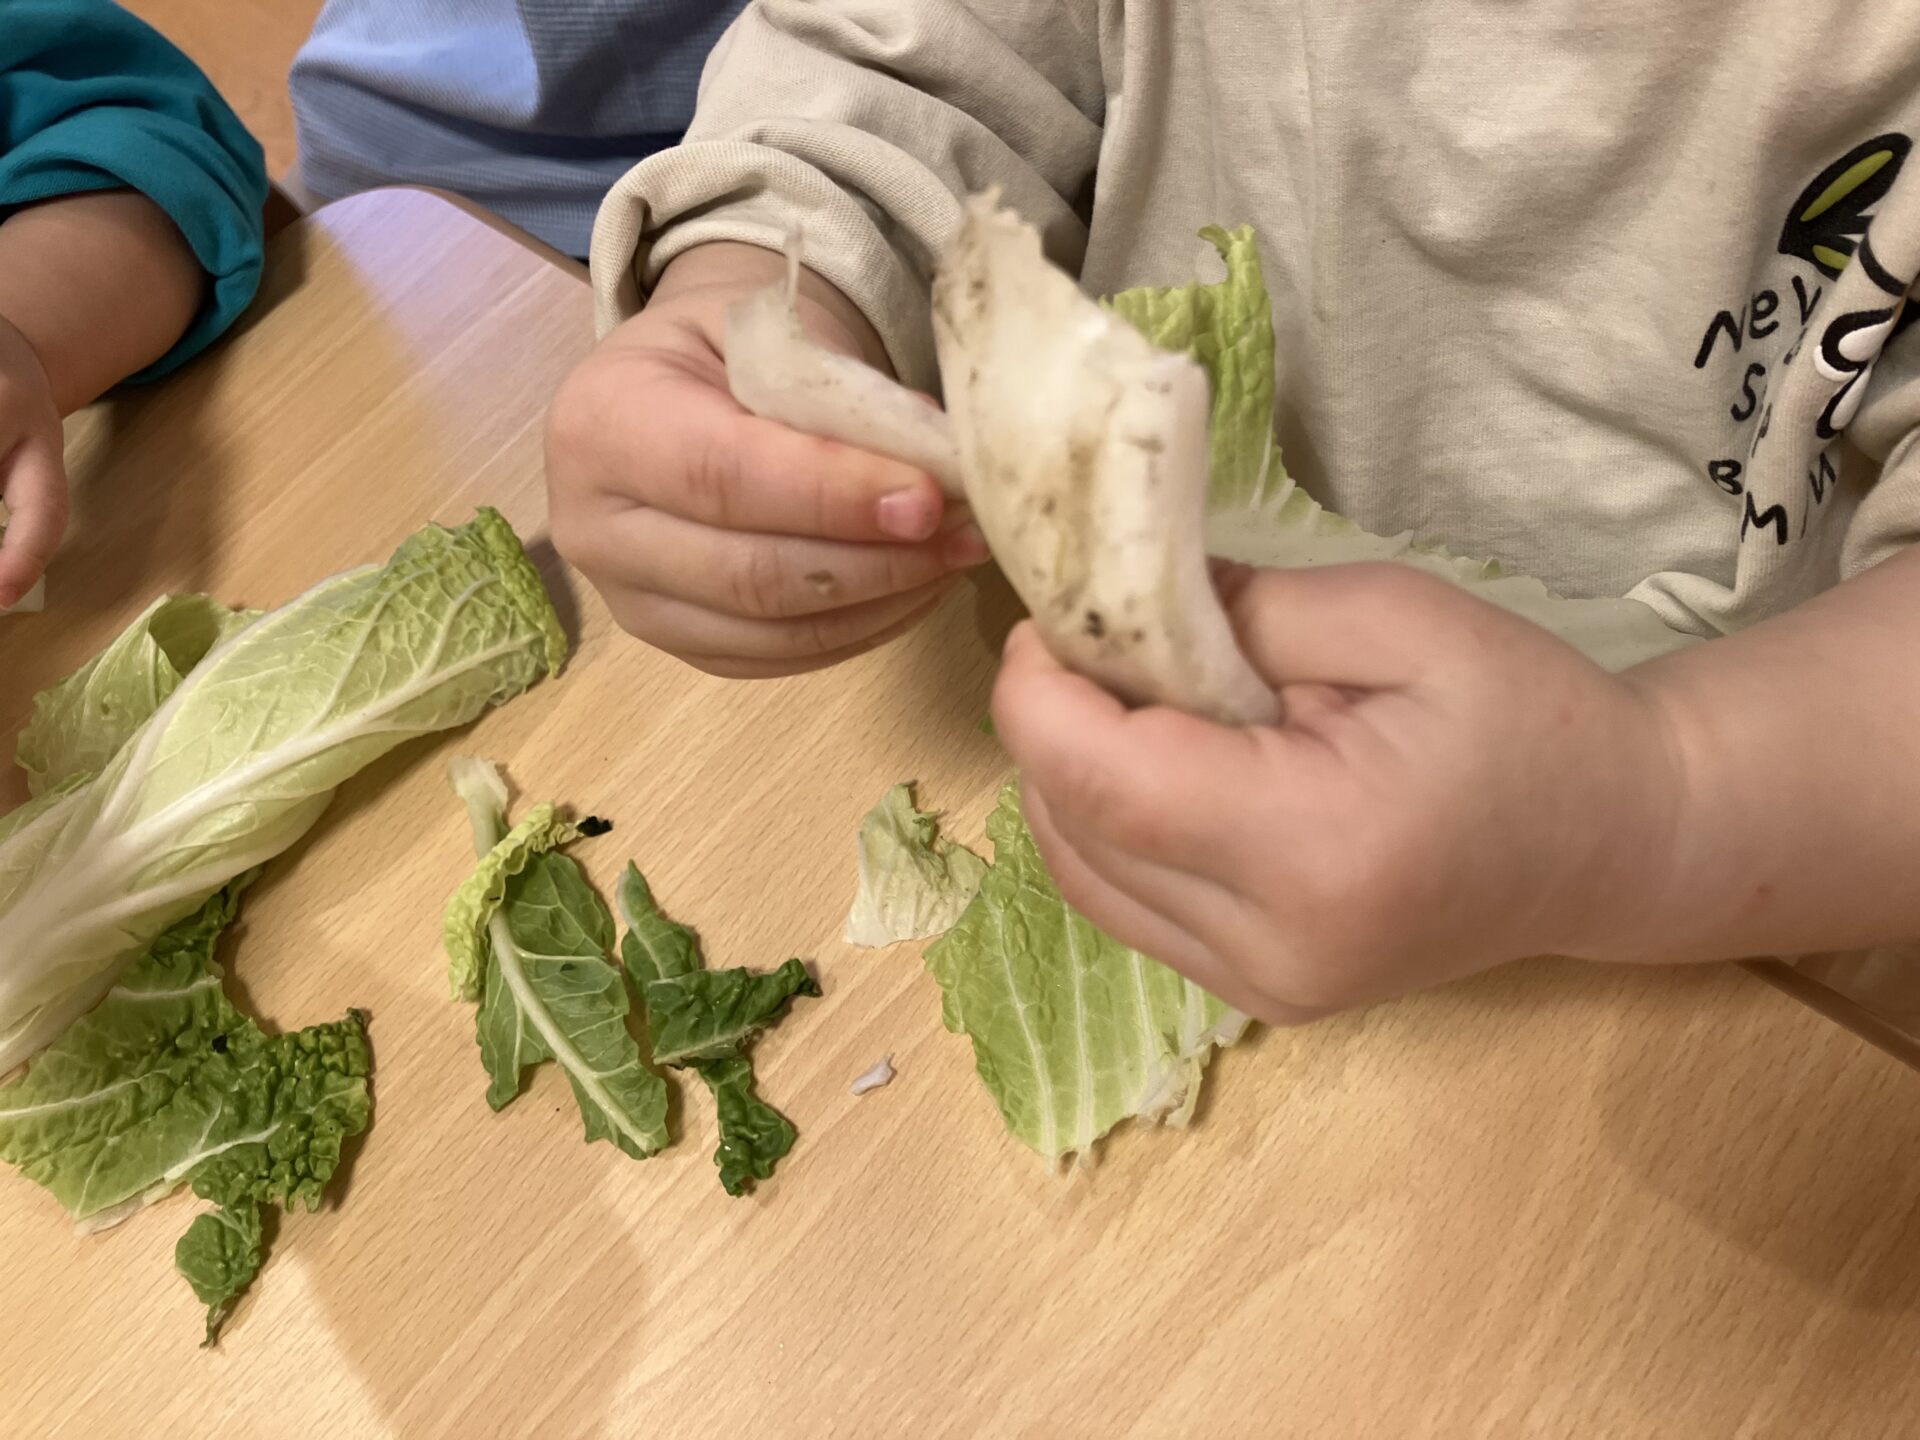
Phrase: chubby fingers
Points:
(657, 433)
(741, 648)
(1119, 893)
(33, 483)
(765, 577)
(1152, 782)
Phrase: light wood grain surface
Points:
(1558, 1201)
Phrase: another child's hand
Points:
(33, 477)
(732, 542)
(1452, 788)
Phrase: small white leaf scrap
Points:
(881, 1074)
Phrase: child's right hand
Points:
(734, 543)
(33, 476)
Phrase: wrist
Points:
(1647, 873)
(23, 366)
(724, 271)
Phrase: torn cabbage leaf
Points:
(703, 1020)
(220, 1255)
(165, 1083)
(914, 882)
(1072, 1032)
(549, 990)
(712, 1014)
(241, 758)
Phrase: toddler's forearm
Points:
(1799, 741)
(102, 286)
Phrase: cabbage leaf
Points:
(243, 754)
(165, 1083)
(914, 882)
(1072, 1031)
(81, 723)
(703, 1020)
(548, 989)
(1258, 516)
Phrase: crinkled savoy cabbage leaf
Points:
(705, 1019)
(220, 1255)
(1072, 1031)
(243, 755)
(165, 1084)
(913, 881)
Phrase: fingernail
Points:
(965, 548)
(908, 515)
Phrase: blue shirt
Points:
(93, 99)
(530, 108)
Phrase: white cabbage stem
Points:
(779, 372)
(1081, 447)
(1084, 449)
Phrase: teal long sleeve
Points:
(92, 98)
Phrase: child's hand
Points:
(33, 477)
(739, 545)
(1452, 788)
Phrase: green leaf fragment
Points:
(703, 1020)
(711, 1014)
(551, 994)
(1072, 1032)
(1228, 328)
(166, 1083)
(473, 906)
(655, 948)
(548, 989)
(753, 1135)
(220, 1255)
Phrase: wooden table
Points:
(1560, 1200)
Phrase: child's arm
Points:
(1798, 744)
(1454, 788)
(102, 286)
(92, 288)
(735, 543)
(131, 208)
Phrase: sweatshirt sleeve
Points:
(91, 99)
(864, 124)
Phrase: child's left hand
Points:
(33, 477)
(1452, 788)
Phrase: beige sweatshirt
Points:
(1584, 286)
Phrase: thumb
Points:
(1374, 626)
